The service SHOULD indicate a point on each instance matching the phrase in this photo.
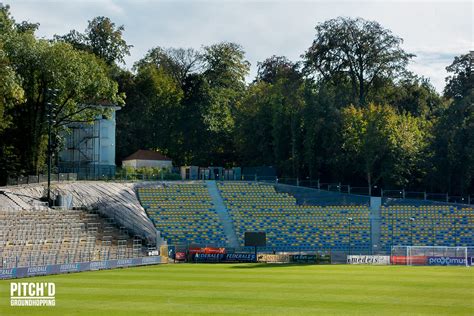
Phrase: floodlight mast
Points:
(51, 94)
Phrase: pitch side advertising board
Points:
(377, 260)
(304, 258)
(76, 267)
(448, 261)
(230, 257)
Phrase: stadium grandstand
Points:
(41, 237)
(292, 227)
(97, 220)
(183, 213)
(93, 221)
(426, 225)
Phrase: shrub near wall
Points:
(146, 173)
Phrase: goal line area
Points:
(432, 256)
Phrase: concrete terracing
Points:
(223, 214)
(111, 199)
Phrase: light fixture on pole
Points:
(51, 94)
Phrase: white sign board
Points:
(368, 260)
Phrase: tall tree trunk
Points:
(361, 89)
(369, 182)
(361, 94)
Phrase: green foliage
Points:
(225, 69)
(11, 92)
(32, 67)
(382, 144)
(225, 65)
(361, 50)
(177, 62)
(196, 107)
(276, 67)
(102, 38)
(189, 115)
(410, 93)
(270, 123)
(80, 78)
(321, 138)
(460, 84)
(150, 119)
(453, 145)
(146, 173)
(7, 23)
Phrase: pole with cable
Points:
(52, 93)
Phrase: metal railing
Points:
(391, 195)
(387, 195)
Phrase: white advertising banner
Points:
(368, 260)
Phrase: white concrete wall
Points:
(107, 141)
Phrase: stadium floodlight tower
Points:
(52, 94)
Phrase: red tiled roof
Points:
(147, 155)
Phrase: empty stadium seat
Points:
(184, 214)
(292, 227)
(40, 237)
(426, 225)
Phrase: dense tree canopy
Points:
(349, 111)
(381, 144)
(101, 38)
(178, 62)
(360, 50)
(453, 146)
(32, 68)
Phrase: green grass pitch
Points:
(257, 289)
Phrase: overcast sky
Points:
(435, 31)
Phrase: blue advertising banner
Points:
(76, 267)
(209, 257)
(446, 261)
(240, 257)
(7, 273)
(230, 257)
(39, 270)
(69, 267)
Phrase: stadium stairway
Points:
(223, 214)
